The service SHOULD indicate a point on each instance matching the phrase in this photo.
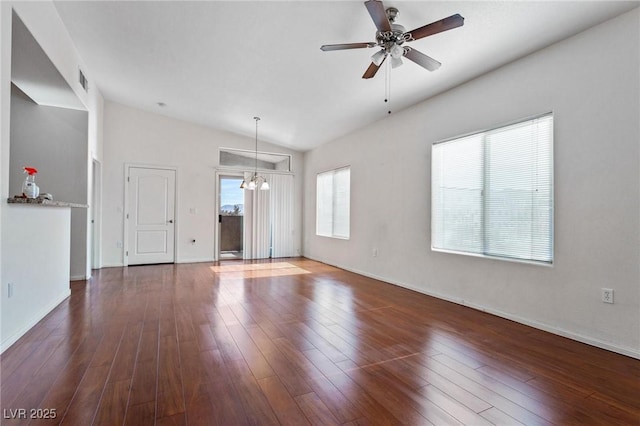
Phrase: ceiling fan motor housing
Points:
(388, 39)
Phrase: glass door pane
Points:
(230, 219)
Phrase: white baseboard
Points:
(187, 260)
(196, 260)
(631, 352)
(9, 341)
(78, 278)
(112, 265)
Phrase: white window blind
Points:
(492, 192)
(333, 202)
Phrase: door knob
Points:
(170, 221)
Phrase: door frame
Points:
(125, 212)
(220, 174)
(96, 214)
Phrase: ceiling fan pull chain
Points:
(386, 83)
(388, 87)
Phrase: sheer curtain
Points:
(257, 232)
(281, 206)
(268, 219)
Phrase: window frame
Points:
(249, 155)
(483, 220)
(333, 234)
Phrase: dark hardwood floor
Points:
(297, 342)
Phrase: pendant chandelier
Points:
(255, 181)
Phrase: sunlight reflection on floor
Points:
(258, 270)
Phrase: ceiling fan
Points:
(390, 37)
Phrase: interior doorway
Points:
(230, 217)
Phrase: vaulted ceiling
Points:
(220, 63)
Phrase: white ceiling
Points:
(220, 63)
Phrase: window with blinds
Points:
(492, 192)
(332, 203)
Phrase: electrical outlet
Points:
(374, 253)
(607, 295)
(9, 290)
(119, 244)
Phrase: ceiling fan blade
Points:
(344, 46)
(378, 14)
(422, 60)
(373, 69)
(449, 23)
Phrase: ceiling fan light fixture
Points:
(397, 52)
(264, 186)
(378, 57)
(395, 62)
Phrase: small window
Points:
(492, 192)
(241, 159)
(332, 203)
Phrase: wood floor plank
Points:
(170, 394)
(287, 373)
(400, 399)
(15, 383)
(113, 403)
(199, 410)
(283, 404)
(315, 410)
(330, 395)
(205, 338)
(228, 347)
(144, 383)
(37, 385)
(250, 352)
(256, 407)
(376, 408)
(226, 402)
(459, 393)
(206, 375)
(294, 341)
(83, 406)
(141, 414)
(126, 356)
(499, 418)
(489, 395)
(260, 338)
(60, 394)
(452, 407)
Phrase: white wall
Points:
(138, 137)
(591, 83)
(39, 272)
(54, 140)
(45, 25)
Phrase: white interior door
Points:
(151, 227)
